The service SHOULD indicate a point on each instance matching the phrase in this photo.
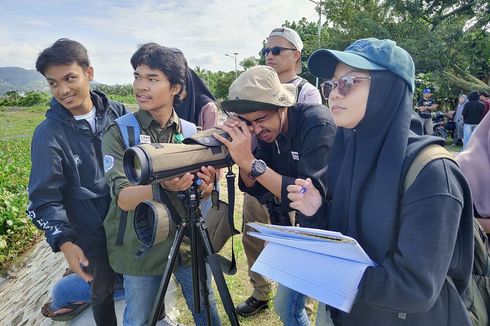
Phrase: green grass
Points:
(20, 122)
(453, 148)
(17, 233)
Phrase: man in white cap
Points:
(283, 54)
(294, 141)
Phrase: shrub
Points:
(17, 233)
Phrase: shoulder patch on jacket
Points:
(108, 162)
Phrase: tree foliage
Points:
(121, 93)
(17, 99)
(249, 62)
(218, 82)
(448, 40)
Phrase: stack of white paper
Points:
(324, 265)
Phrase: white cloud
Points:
(111, 31)
(19, 55)
(36, 22)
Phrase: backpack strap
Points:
(300, 87)
(129, 128)
(130, 131)
(424, 157)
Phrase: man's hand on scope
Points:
(178, 184)
(240, 146)
(208, 177)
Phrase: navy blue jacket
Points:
(68, 195)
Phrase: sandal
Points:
(64, 314)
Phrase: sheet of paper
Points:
(319, 241)
(299, 232)
(328, 279)
(340, 250)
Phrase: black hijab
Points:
(198, 96)
(368, 164)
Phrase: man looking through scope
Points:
(159, 78)
(293, 140)
(283, 54)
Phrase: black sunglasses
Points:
(344, 84)
(276, 50)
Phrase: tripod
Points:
(201, 252)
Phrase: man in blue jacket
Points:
(68, 195)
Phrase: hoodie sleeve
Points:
(45, 191)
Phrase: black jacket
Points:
(68, 195)
(473, 110)
(302, 152)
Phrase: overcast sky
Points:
(112, 30)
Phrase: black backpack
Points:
(476, 297)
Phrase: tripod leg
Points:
(158, 306)
(195, 266)
(218, 276)
(203, 277)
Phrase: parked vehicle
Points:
(439, 121)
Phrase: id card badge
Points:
(145, 139)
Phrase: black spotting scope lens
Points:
(136, 165)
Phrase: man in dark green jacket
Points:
(159, 78)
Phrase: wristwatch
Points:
(258, 168)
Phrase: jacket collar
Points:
(146, 119)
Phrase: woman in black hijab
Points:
(416, 237)
(198, 104)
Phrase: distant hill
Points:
(20, 79)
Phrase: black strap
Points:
(131, 139)
(230, 185)
(161, 196)
(123, 220)
(300, 86)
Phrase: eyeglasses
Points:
(344, 84)
(276, 50)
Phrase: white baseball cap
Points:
(291, 36)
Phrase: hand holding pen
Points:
(304, 197)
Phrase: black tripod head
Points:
(192, 196)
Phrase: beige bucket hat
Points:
(259, 88)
